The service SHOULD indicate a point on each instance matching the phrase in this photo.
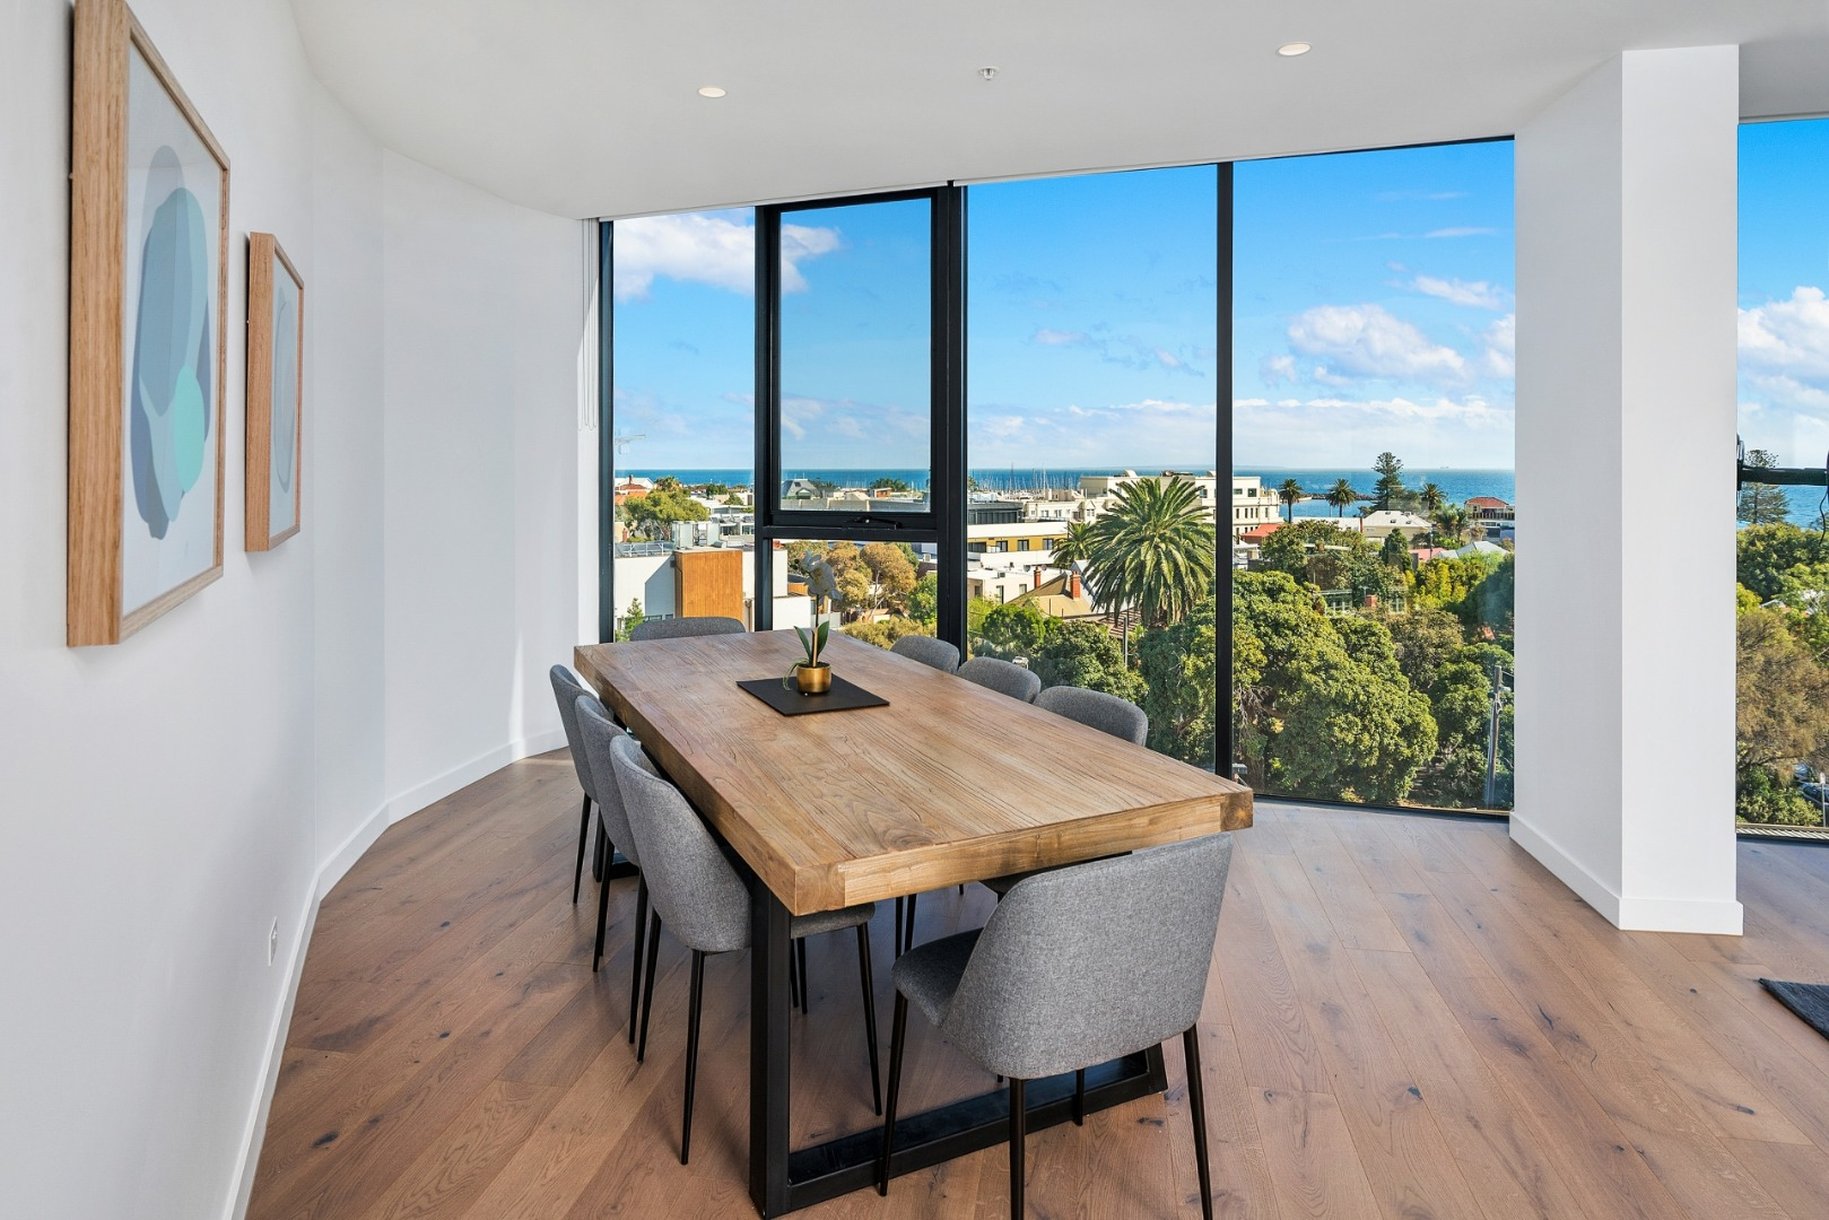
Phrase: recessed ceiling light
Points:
(1290, 50)
(988, 72)
(710, 91)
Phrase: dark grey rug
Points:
(1808, 1000)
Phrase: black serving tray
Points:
(843, 697)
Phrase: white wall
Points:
(163, 800)
(1626, 356)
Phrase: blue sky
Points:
(1373, 307)
(1784, 270)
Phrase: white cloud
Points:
(1368, 341)
(1168, 359)
(1048, 337)
(1471, 409)
(1500, 359)
(1275, 369)
(1461, 231)
(1788, 337)
(1477, 294)
(1790, 391)
(707, 248)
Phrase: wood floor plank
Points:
(1242, 1186)
(1797, 1175)
(1275, 1045)
(1403, 1155)
(1508, 1165)
(1311, 1156)
(1358, 918)
(1687, 1157)
(460, 1162)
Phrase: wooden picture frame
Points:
(276, 394)
(149, 232)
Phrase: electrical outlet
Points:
(273, 941)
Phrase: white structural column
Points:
(1625, 426)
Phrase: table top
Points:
(951, 782)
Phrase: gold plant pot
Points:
(814, 679)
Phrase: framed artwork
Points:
(276, 392)
(149, 213)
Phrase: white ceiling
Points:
(589, 107)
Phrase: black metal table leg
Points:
(769, 1014)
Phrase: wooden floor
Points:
(1407, 1017)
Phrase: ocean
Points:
(1457, 484)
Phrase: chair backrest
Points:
(697, 892)
(676, 628)
(568, 690)
(1082, 964)
(1095, 708)
(1002, 677)
(598, 733)
(928, 651)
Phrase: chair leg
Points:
(641, 921)
(692, 1048)
(1079, 1097)
(1018, 1122)
(908, 938)
(584, 834)
(1197, 1109)
(600, 857)
(603, 911)
(806, 990)
(898, 1029)
(647, 997)
(863, 970)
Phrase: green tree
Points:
(890, 484)
(1328, 714)
(1322, 554)
(1290, 493)
(631, 619)
(1781, 708)
(1425, 641)
(1431, 499)
(1342, 497)
(714, 489)
(884, 632)
(1395, 552)
(1154, 550)
(892, 576)
(924, 601)
(1074, 546)
(1390, 491)
(1177, 665)
(1013, 630)
(1450, 525)
(651, 516)
(1762, 503)
(1084, 654)
(1765, 553)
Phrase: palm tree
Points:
(1154, 550)
(1342, 496)
(1074, 546)
(1451, 525)
(1432, 498)
(1290, 493)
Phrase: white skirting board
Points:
(331, 871)
(1625, 911)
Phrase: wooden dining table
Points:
(950, 782)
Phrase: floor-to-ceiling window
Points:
(681, 445)
(996, 412)
(1372, 440)
(1782, 737)
(1092, 351)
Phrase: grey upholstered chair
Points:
(700, 896)
(928, 651)
(1076, 966)
(1002, 677)
(676, 628)
(1095, 709)
(1098, 710)
(568, 690)
(597, 733)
